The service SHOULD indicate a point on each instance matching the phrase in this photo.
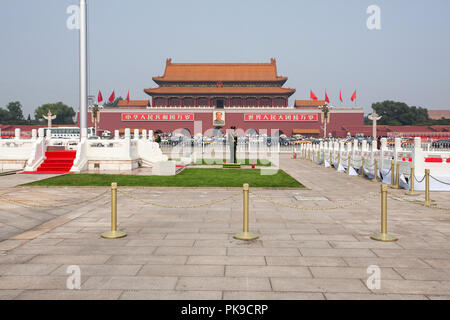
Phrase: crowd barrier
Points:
(402, 166)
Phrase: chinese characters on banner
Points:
(157, 117)
(280, 117)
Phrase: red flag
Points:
(340, 96)
(100, 97)
(326, 97)
(354, 96)
(313, 96)
(128, 97)
(112, 98)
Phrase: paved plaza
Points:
(173, 253)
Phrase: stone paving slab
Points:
(189, 254)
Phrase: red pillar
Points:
(272, 102)
(167, 102)
(257, 101)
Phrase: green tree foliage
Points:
(4, 116)
(64, 114)
(12, 114)
(15, 111)
(400, 114)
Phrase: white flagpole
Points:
(83, 67)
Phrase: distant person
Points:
(379, 143)
(158, 139)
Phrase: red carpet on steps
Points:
(56, 162)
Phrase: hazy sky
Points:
(320, 44)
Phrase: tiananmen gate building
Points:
(203, 97)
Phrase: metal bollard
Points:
(411, 179)
(427, 188)
(349, 162)
(383, 235)
(245, 235)
(114, 234)
(362, 167)
(397, 176)
(375, 170)
(392, 172)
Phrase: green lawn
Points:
(219, 162)
(187, 178)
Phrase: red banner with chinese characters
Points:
(157, 117)
(280, 117)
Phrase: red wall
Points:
(112, 121)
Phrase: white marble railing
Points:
(28, 154)
(343, 155)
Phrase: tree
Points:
(400, 114)
(12, 114)
(15, 112)
(64, 114)
(4, 116)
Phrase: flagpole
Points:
(83, 67)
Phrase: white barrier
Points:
(336, 153)
(15, 153)
(116, 154)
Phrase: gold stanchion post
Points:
(349, 161)
(375, 170)
(114, 233)
(246, 235)
(362, 166)
(427, 188)
(383, 235)
(411, 183)
(397, 175)
(392, 173)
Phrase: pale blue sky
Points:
(321, 44)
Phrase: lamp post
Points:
(95, 112)
(326, 117)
